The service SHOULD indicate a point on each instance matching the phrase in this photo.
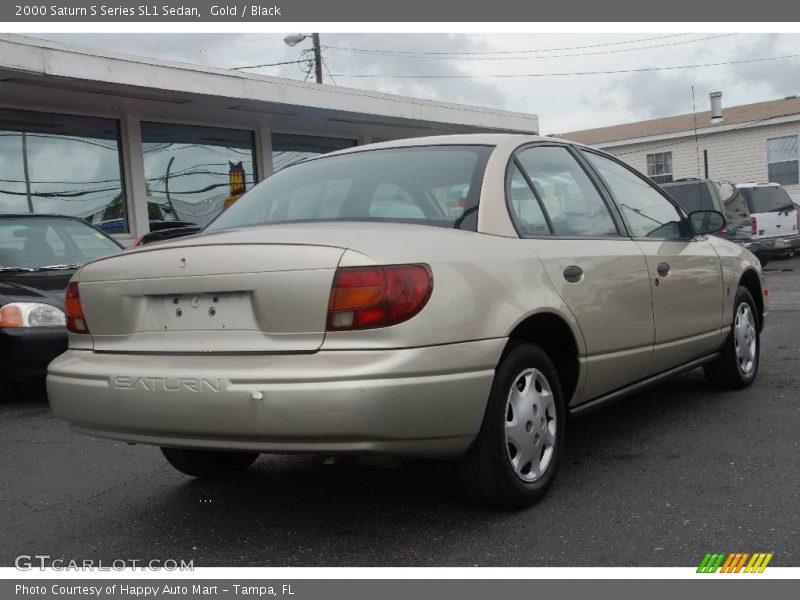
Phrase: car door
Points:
(685, 270)
(600, 273)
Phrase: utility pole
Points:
(293, 40)
(317, 57)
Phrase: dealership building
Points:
(125, 141)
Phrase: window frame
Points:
(613, 210)
(686, 234)
(670, 174)
(797, 159)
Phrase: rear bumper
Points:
(26, 351)
(785, 244)
(407, 402)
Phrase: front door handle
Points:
(573, 274)
(663, 269)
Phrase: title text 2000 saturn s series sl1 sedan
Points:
(454, 297)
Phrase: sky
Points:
(563, 103)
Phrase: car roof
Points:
(468, 139)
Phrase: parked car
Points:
(773, 215)
(704, 194)
(343, 306)
(118, 225)
(160, 235)
(38, 255)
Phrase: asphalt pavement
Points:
(656, 480)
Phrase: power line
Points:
(527, 51)
(287, 62)
(528, 75)
(398, 54)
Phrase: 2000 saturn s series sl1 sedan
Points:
(454, 297)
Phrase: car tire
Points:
(737, 367)
(208, 465)
(524, 422)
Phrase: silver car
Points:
(452, 297)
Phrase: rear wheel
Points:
(208, 465)
(515, 457)
(738, 365)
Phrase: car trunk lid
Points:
(210, 296)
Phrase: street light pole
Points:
(317, 57)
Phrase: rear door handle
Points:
(573, 274)
(663, 269)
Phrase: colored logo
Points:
(737, 562)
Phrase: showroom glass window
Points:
(288, 149)
(659, 167)
(648, 213)
(62, 164)
(193, 172)
(782, 160)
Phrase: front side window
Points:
(647, 211)
(782, 160)
(430, 185)
(659, 167)
(192, 173)
(573, 204)
(61, 164)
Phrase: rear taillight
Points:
(76, 321)
(753, 226)
(370, 297)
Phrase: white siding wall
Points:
(736, 156)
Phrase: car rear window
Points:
(767, 199)
(430, 185)
(691, 196)
(41, 242)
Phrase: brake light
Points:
(753, 226)
(76, 320)
(371, 297)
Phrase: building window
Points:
(288, 149)
(193, 172)
(782, 160)
(62, 164)
(659, 167)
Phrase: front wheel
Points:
(737, 367)
(207, 464)
(515, 457)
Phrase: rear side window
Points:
(430, 185)
(691, 196)
(573, 205)
(524, 205)
(647, 211)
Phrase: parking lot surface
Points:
(657, 480)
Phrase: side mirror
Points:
(704, 222)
